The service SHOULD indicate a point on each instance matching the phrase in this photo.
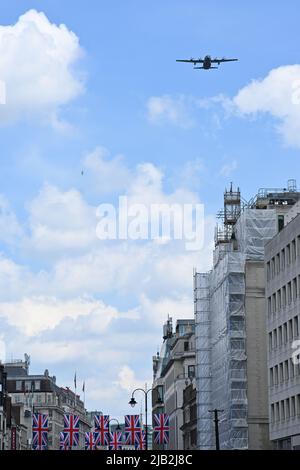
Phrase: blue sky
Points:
(118, 99)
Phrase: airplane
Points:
(207, 62)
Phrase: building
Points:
(3, 410)
(231, 351)
(173, 371)
(36, 393)
(189, 408)
(282, 258)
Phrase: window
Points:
(290, 330)
(277, 263)
(293, 407)
(271, 377)
(186, 345)
(288, 254)
(298, 245)
(272, 267)
(275, 339)
(284, 296)
(289, 293)
(296, 327)
(286, 370)
(18, 385)
(292, 369)
(282, 259)
(277, 412)
(280, 336)
(280, 220)
(285, 333)
(272, 413)
(269, 306)
(279, 299)
(295, 290)
(276, 375)
(268, 270)
(191, 372)
(287, 408)
(282, 410)
(274, 304)
(281, 376)
(293, 250)
(37, 385)
(270, 342)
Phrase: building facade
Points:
(174, 370)
(231, 350)
(32, 393)
(282, 262)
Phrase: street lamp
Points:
(133, 402)
(216, 421)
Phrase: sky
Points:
(94, 106)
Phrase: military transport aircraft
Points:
(206, 62)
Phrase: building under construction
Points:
(231, 351)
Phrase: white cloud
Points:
(60, 221)
(128, 381)
(36, 65)
(278, 94)
(37, 314)
(10, 228)
(228, 168)
(106, 174)
(168, 110)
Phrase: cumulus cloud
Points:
(278, 94)
(169, 110)
(37, 314)
(37, 61)
(10, 229)
(107, 174)
(228, 168)
(128, 381)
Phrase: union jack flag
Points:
(102, 430)
(140, 440)
(132, 428)
(115, 440)
(71, 428)
(161, 428)
(90, 442)
(39, 431)
(64, 441)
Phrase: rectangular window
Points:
(274, 304)
(191, 372)
(279, 299)
(268, 270)
(296, 327)
(289, 293)
(37, 385)
(277, 264)
(272, 413)
(284, 296)
(293, 407)
(286, 370)
(280, 342)
(293, 250)
(276, 376)
(271, 377)
(298, 245)
(288, 254)
(280, 220)
(270, 342)
(282, 259)
(291, 336)
(287, 408)
(292, 369)
(285, 333)
(19, 385)
(281, 375)
(277, 412)
(295, 290)
(282, 410)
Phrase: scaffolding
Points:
(221, 329)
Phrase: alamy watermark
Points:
(159, 222)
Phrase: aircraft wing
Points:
(191, 61)
(218, 61)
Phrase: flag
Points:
(132, 426)
(161, 428)
(140, 440)
(90, 443)
(101, 429)
(115, 440)
(83, 387)
(71, 428)
(39, 431)
(64, 441)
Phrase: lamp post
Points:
(133, 402)
(216, 421)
